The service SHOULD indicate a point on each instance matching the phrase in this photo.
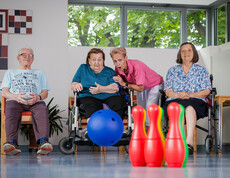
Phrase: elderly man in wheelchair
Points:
(94, 85)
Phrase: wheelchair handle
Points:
(75, 99)
(131, 96)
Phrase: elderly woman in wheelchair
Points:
(95, 87)
(188, 84)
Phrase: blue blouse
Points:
(197, 79)
(87, 77)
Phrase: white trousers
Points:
(147, 97)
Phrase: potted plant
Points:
(55, 125)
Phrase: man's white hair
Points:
(19, 52)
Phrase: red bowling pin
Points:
(174, 145)
(137, 142)
(154, 148)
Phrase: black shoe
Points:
(11, 148)
(190, 149)
(44, 148)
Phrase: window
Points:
(221, 25)
(92, 23)
(93, 26)
(100, 25)
(151, 28)
(196, 27)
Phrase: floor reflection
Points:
(107, 164)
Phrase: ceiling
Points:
(181, 2)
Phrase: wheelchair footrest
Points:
(84, 141)
(72, 134)
(123, 142)
(88, 142)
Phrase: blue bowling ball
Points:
(105, 127)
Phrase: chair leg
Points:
(95, 148)
(195, 140)
(215, 137)
(3, 133)
(121, 148)
(102, 148)
(32, 140)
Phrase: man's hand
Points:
(20, 98)
(119, 80)
(33, 98)
(95, 90)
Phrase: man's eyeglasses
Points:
(26, 55)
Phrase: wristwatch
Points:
(126, 85)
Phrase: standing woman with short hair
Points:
(134, 74)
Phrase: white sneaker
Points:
(11, 148)
(44, 148)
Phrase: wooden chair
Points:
(26, 119)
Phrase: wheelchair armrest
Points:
(209, 102)
(210, 99)
(162, 97)
(75, 98)
(162, 91)
(131, 94)
(131, 90)
(213, 91)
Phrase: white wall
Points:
(220, 69)
(49, 41)
(218, 63)
(60, 62)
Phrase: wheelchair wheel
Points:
(66, 146)
(208, 144)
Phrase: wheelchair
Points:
(212, 131)
(67, 145)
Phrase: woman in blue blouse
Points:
(95, 84)
(188, 84)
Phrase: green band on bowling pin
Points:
(159, 127)
(162, 120)
(183, 134)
